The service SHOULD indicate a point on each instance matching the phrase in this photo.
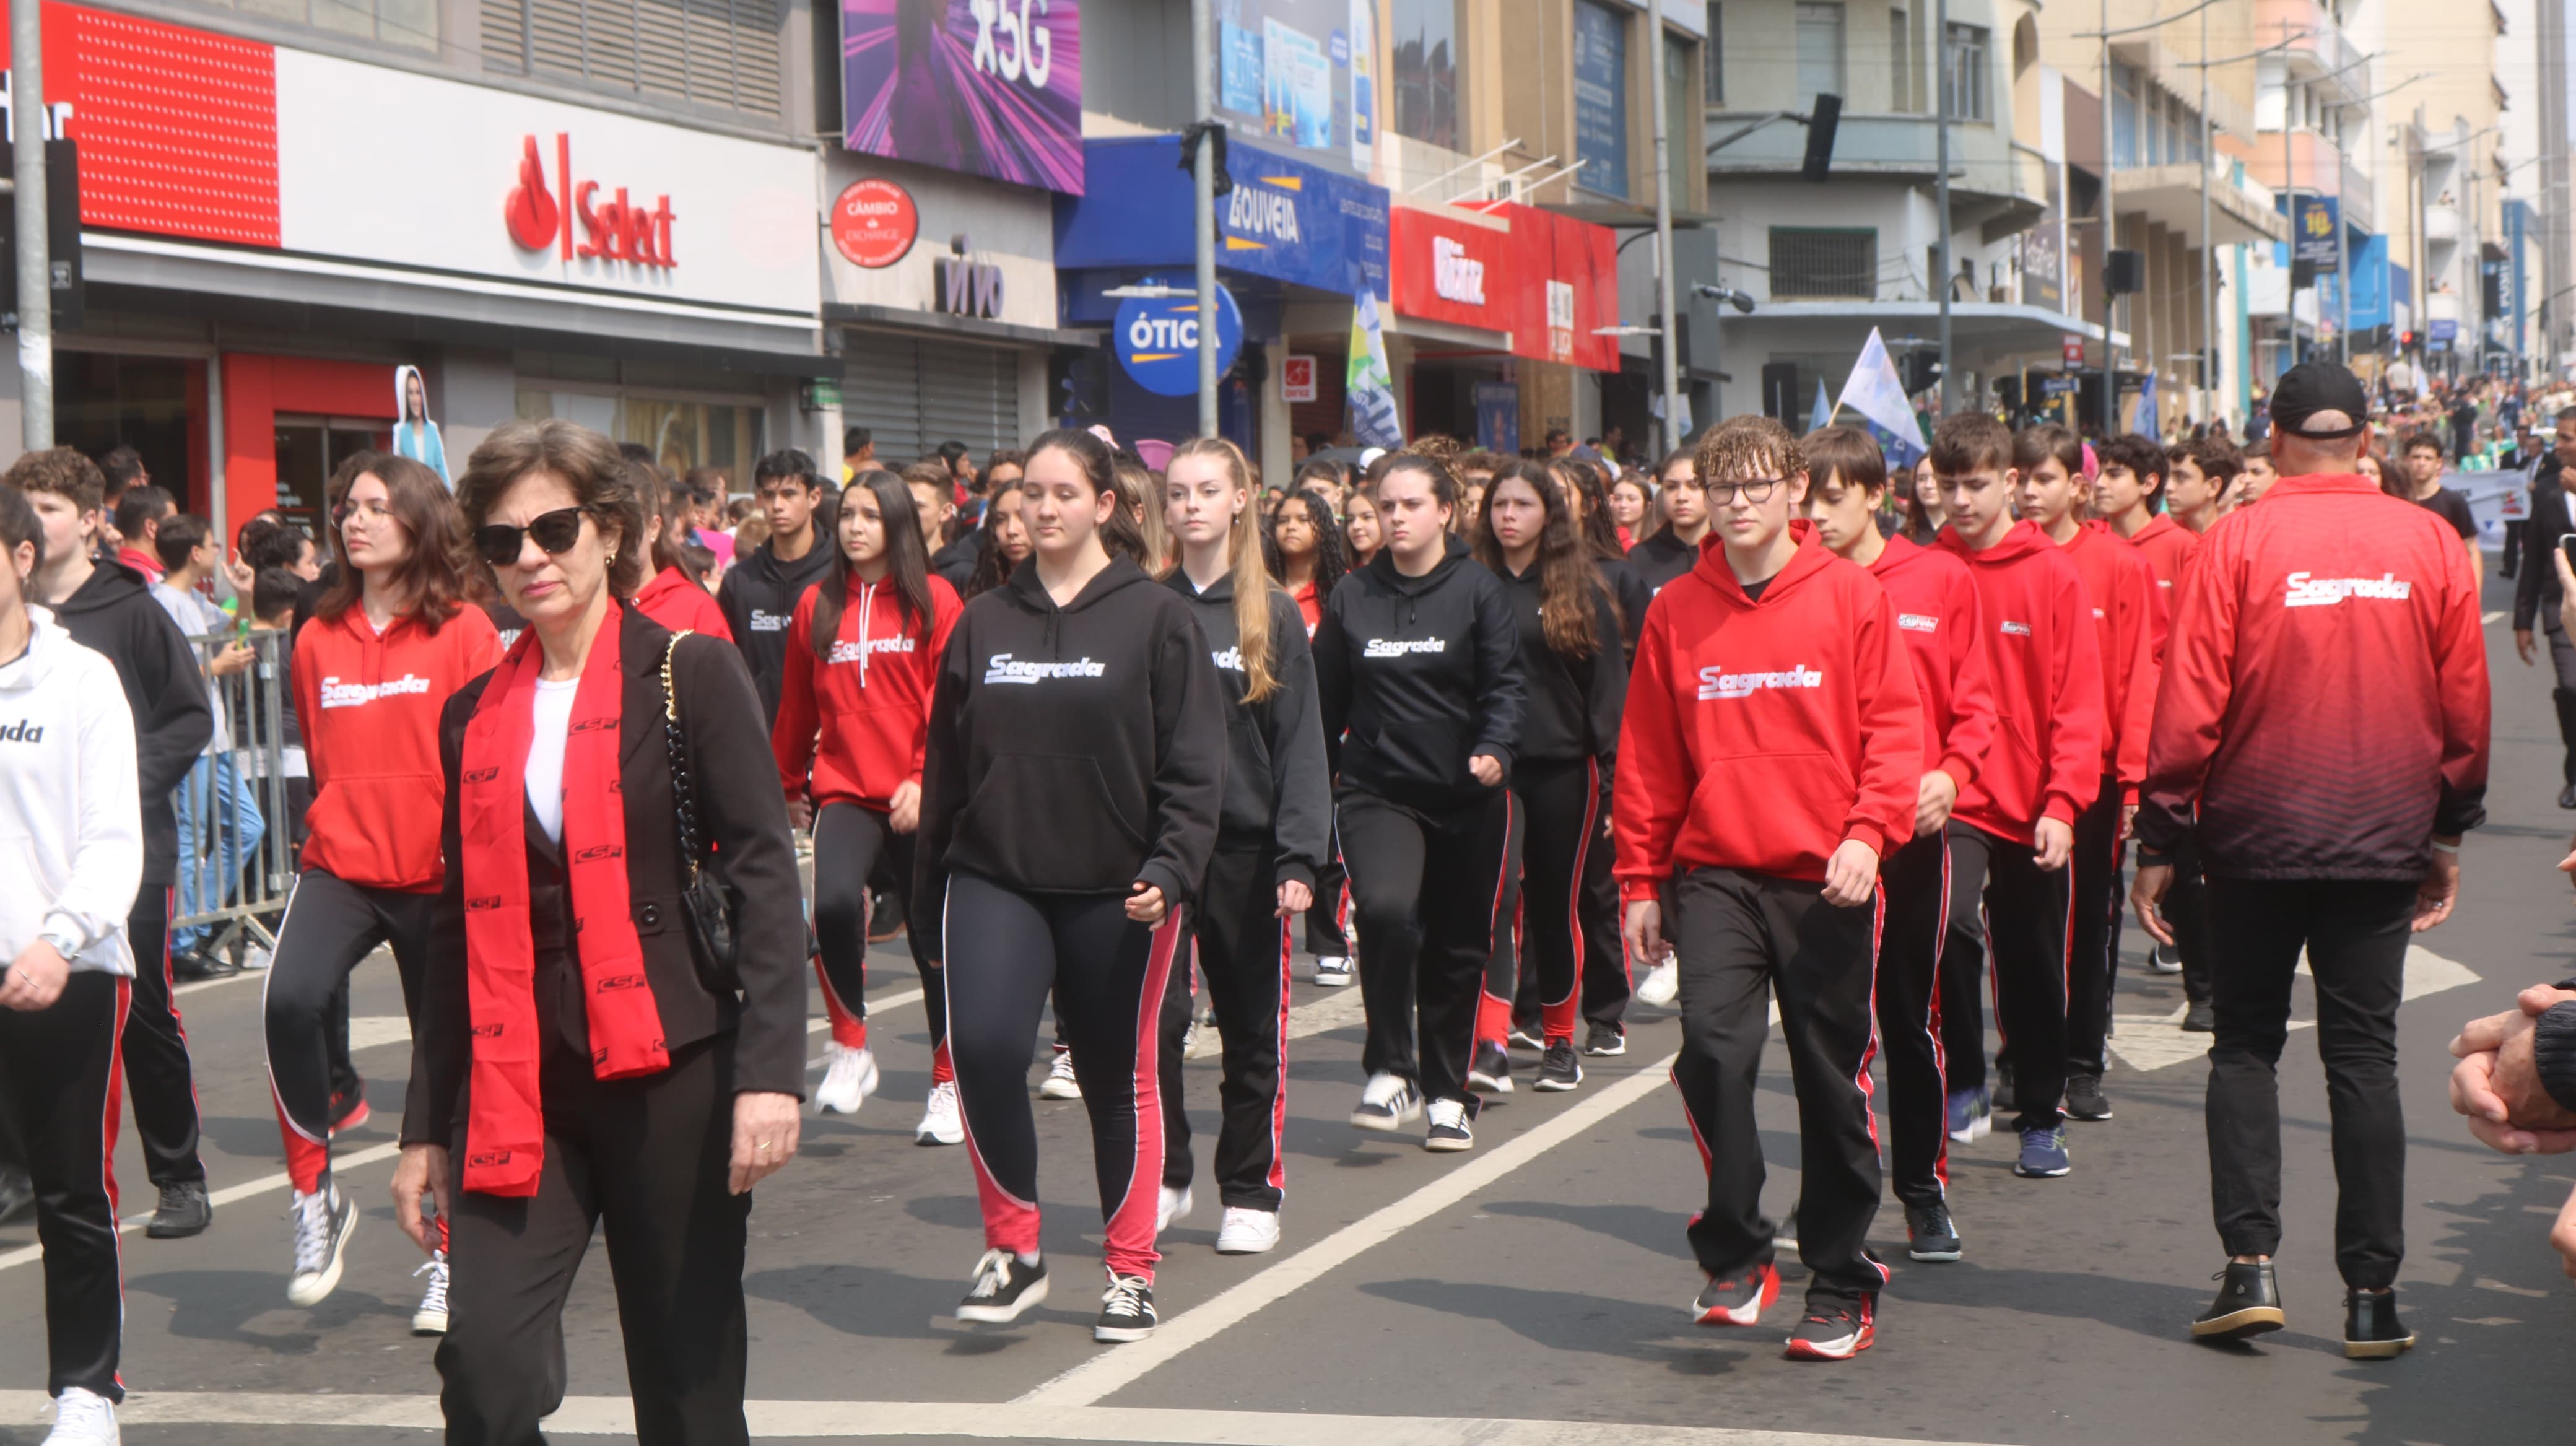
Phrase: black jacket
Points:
(1574, 703)
(740, 813)
(1276, 788)
(759, 595)
(113, 613)
(1658, 560)
(1072, 750)
(956, 561)
(2535, 584)
(1628, 584)
(1422, 673)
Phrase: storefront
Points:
(1499, 314)
(269, 233)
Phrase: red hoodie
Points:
(2046, 669)
(2169, 547)
(2129, 626)
(869, 706)
(681, 605)
(368, 705)
(1936, 608)
(1762, 735)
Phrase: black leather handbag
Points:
(711, 904)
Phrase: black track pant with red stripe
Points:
(1242, 946)
(1562, 803)
(1737, 938)
(157, 1073)
(1507, 977)
(58, 1079)
(2026, 927)
(1006, 951)
(849, 844)
(1930, 883)
(331, 926)
(1427, 889)
(2093, 931)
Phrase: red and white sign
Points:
(1563, 286)
(874, 223)
(1297, 379)
(2072, 348)
(541, 215)
(1449, 266)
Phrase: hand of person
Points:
(2147, 897)
(423, 1170)
(1933, 798)
(1145, 903)
(2497, 1082)
(1851, 875)
(1645, 932)
(2051, 842)
(764, 1137)
(2439, 891)
(1487, 768)
(36, 978)
(2128, 820)
(800, 813)
(903, 811)
(240, 574)
(2522, 638)
(1294, 897)
(236, 657)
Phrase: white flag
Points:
(1876, 394)
(1369, 385)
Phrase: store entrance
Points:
(103, 401)
(309, 449)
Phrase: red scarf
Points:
(505, 1136)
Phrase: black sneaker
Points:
(1558, 1069)
(1738, 1299)
(1126, 1310)
(1527, 1036)
(1835, 1330)
(1490, 1068)
(2084, 1099)
(1605, 1041)
(2248, 1304)
(1005, 1287)
(1388, 1103)
(1929, 1233)
(2003, 1102)
(2200, 1019)
(184, 1211)
(1447, 1130)
(191, 966)
(2370, 1328)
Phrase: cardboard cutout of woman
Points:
(415, 435)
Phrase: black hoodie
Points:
(1276, 787)
(1574, 703)
(759, 595)
(956, 561)
(1072, 750)
(113, 613)
(1423, 673)
(1658, 560)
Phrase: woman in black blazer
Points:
(573, 1063)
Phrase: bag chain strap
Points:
(683, 796)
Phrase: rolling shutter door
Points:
(881, 390)
(915, 394)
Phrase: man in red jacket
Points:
(2325, 707)
(2044, 769)
(1771, 752)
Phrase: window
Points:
(411, 24)
(721, 53)
(2155, 130)
(1818, 262)
(1423, 36)
(1713, 59)
(1964, 53)
(1820, 52)
(1900, 62)
(1601, 97)
(2124, 117)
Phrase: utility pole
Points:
(1941, 190)
(1672, 324)
(35, 271)
(2110, 236)
(2209, 406)
(1203, 186)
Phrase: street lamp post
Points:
(1203, 187)
(35, 271)
(1663, 233)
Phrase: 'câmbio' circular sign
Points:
(874, 223)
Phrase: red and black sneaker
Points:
(348, 1111)
(1739, 1299)
(1835, 1330)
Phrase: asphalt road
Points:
(1531, 1291)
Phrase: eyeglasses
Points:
(499, 543)
(1756, 490)
(372, 510)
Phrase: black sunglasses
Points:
(499, 543)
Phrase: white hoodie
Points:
(71, 818)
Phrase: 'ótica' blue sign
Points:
(1158, 340)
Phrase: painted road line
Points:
(1088, 1383)
(220, 1198)
(2149, 1042)
(776, 1420)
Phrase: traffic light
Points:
(1821, 125)
(1922, 371)
(62, 234)
(2406, 340)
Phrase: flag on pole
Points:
(1370, 384)
(1823, 416)
(2146, 424)
(1876, 394)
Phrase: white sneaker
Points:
(1447, 1129)
(254, 958)
(1175, 1208)
(1060, 1083)
(940, 1122)
(323, 1224)
(1332, 971)
(431, 1318)
(1245, 1231)
(1387, 1103)
(1203, 1041)
(850, 1078)
(2164, 959)
(83, 1418)
(1662, 984)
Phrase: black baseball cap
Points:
(2318, 386)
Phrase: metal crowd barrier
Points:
(241, 809)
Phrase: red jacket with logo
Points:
(368, 705)
(2046, 666)
(2169, 547)
(2325, 699)
(1936, 609)
(2129, 626)
(858, 724)
(675, 602)
(1760, 735)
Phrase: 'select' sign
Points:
(541, 215)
